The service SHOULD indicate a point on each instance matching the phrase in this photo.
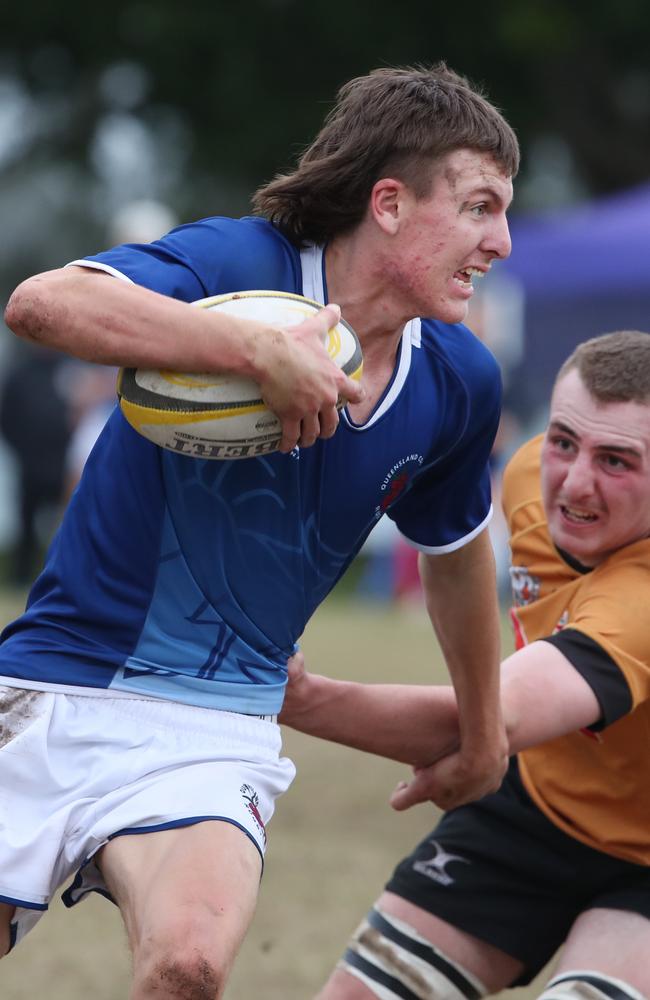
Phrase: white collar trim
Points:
(311, 262)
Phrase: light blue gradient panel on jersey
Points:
(243, 565)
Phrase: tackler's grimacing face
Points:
(595, 472)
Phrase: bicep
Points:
(544, 696)
(475, 558)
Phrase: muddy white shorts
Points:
(77, 770)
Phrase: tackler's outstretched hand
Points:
(449, 783)
(300, 383)
(296, 701)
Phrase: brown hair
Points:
(392, 122)
(615, 368)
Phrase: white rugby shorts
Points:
(78, 770)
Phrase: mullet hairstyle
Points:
(614, 368)
(390, 123)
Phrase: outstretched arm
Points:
(96, 317)
(406, 722)
(542, 697)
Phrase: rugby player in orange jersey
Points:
(561, 853)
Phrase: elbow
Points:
(15, 312)
(36, 307)
(22, 311)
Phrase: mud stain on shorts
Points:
(17, 709)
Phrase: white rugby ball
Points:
(222, 416)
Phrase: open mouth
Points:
(577, 516)
(464, 276)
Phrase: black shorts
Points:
(500, 870)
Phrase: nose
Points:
(579, 480)
(497, 240)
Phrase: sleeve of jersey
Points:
(206, 258)
(612, 614)
(449, 502)
(601, 672)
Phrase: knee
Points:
(178, 974)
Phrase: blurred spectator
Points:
(407, 587)
(52, 409)
(141, 221)
(35, 422)
(377, 578)
(92, 390)
(92, 398)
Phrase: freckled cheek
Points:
(427, 244)
(418, 273)
(428, 264)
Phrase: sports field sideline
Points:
(331, 844)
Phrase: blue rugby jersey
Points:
(192, 580)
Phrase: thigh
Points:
(614, 942)
(403, 950)
(492, 966)
(195, 886)
(497, 872)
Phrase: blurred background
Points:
(116, 126)
(119, 121)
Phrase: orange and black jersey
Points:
(594, 785)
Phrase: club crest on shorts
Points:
(252, 800)
(435, 867)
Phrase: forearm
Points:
(408, 723)
(99, 318)
(418, 724)
(460, 591)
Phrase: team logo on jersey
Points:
(435, 868)
(253, 805)
(396, 480)
(525, 586)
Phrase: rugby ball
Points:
(222, 416)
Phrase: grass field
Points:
(333, 842)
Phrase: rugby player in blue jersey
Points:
(144, 677)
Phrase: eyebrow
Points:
(617, 449)
(557, 425)
(488, 192)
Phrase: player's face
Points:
(451, 237)
(595, 472)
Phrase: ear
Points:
(387, 203)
